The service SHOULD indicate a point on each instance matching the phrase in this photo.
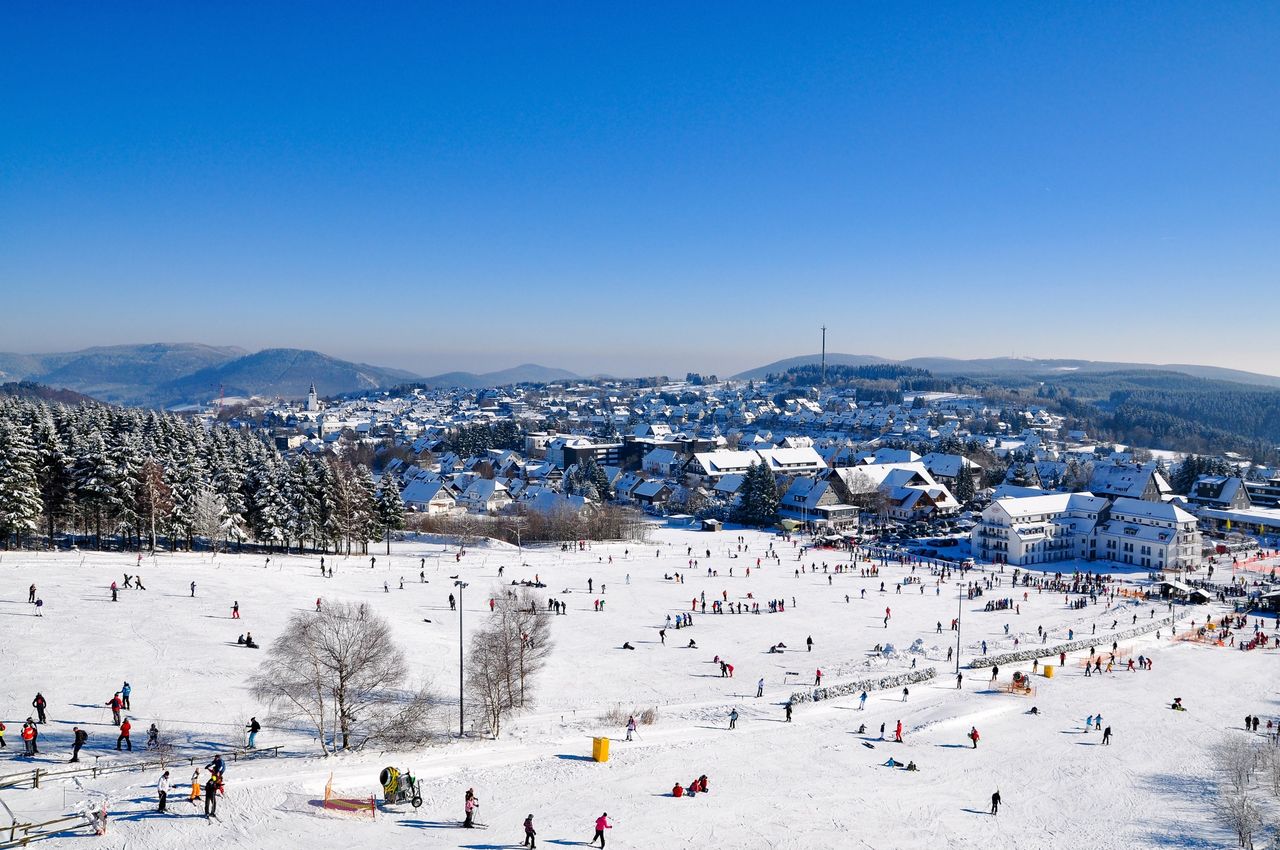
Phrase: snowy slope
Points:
(809, 784)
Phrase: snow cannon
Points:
(398, 787)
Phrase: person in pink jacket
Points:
(602, 823)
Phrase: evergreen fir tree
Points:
(19, 487)
(390, 507)
(964, 484)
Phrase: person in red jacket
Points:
(973, 736)
(124, 735)
(29, 738)
(677, 791)
(897, 733)
(116, 704)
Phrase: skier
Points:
(235, 610)
(211, 796)
(862, 701)
(39, 705)
(2, 743)
(897, 733)
(760, 688)
(602, 823)
(817, 678)
(116, 704)
(195, 786)
(29, 739)
(530, 833)
(125, 727)
(995, 802)
(317, 604)
(193, 590)
(114, 592)
(1106, 737)
(125, 690)
(453, 603)
(162, 790)
(904, 694)
(78, 741)
(31, 594)
(809, 642)
(733, 718)
(470, 803)
(254, 728)
(787, 708)
(631, 726)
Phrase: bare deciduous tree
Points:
(1235, 761)
(506, 654)
(340, 671)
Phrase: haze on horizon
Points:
(644, 190)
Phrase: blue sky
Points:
(640, 188)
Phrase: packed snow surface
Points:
(811, 783)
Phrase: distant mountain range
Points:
(1004, 366)
(170, 374)
(526, 373)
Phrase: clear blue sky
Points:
(640, 187)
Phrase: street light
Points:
(461, 585)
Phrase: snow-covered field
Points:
(811, 783)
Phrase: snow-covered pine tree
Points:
(390, 507)
(19, 487)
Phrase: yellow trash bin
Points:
(1048, 671)
(600, 749)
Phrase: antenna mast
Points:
(824, 355)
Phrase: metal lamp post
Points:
(461, 585)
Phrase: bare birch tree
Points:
(340, 672)
(506, 655)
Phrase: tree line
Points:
(141, 479)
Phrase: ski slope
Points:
(811, 783)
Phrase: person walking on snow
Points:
(995, 803)
(733, 718)
(602, 823)
(530, 839)
(973, 736)
(116, 704)
(897, 733)
(235, 610)
(631, 726)
(39, 705)
(193, 590)
(80, 737)
(125, 690)
(760, 688)
(125, 727)
(787, 708)
(1106, 737)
